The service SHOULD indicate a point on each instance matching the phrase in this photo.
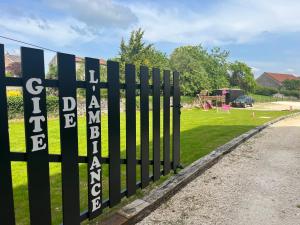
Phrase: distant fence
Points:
(37, 157)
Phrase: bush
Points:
(265, 91)
(293, 93)
(16, 109)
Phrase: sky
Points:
(263, 33)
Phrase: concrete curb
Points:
(140, 208)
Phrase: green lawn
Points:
(201, 132)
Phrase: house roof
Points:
(280, 77)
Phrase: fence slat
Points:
(69, 138)
(176, 121)
(6, 192)
(156, 123)
(130, 129)
(166, 122)
(93, 120)
(144, 77)
(114, 132)
(36, 134)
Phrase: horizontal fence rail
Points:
(37, 157)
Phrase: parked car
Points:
(243, 101)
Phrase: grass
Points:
(201, 132)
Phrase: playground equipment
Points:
(208, 102)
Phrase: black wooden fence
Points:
(37, 157)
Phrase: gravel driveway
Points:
(256, 184)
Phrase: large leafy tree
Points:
(188, 60)
(242, 76)
(138, 52)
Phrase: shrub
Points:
(265, 91)
(293, 93)
(16, 109)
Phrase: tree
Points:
(137, 52)
(291, 84)
(216, 65)
(242, 76)
(52, 73)
(188, 61)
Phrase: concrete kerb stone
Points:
(140, 208)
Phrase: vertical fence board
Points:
(144, 78)
(114, 132)
(6, 192)
(166, 122)
(35, 118)
(156, 123)
(93, 120)
(69, 138)
(130, 129)
(176, 121)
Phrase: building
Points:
(78, 61)
(12, 65)
(274, 80)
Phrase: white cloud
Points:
(230, 21)
(59, 32)
(97, 14)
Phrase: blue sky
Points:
(265, 34)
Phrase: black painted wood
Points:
(93, 120)
(69, 139)
(6, 192)
(130, 129)
(156, 122)
(176, 121)
(114, 132)
(144, 95)
(166, 122)
(36, 135)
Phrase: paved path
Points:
(257, 184)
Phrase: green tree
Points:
(216, 65)
(188, 61)
(291, 84)
(137, 52)
(242, 76)
(52, 73)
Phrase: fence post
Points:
(6, 190)
(144, 77)
(156, 123)
(166, 121)
(93, 120)
(130, 129)
(176, 121)
(35, 118)
(114, 132)
(69, 138)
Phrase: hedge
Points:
(265, 91)
(15, 106)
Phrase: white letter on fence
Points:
(37, 123)
(67, 106)
(94, 132)
(29, 86)
(36, 105)
(69, 120)
(96, 203)
(95, 163)
(95, 176)
(92, 75)
(94, 103)
(94, 117)
(37, 142)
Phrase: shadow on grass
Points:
(195, 143)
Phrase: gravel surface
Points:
(256, 184)
(280, 105)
